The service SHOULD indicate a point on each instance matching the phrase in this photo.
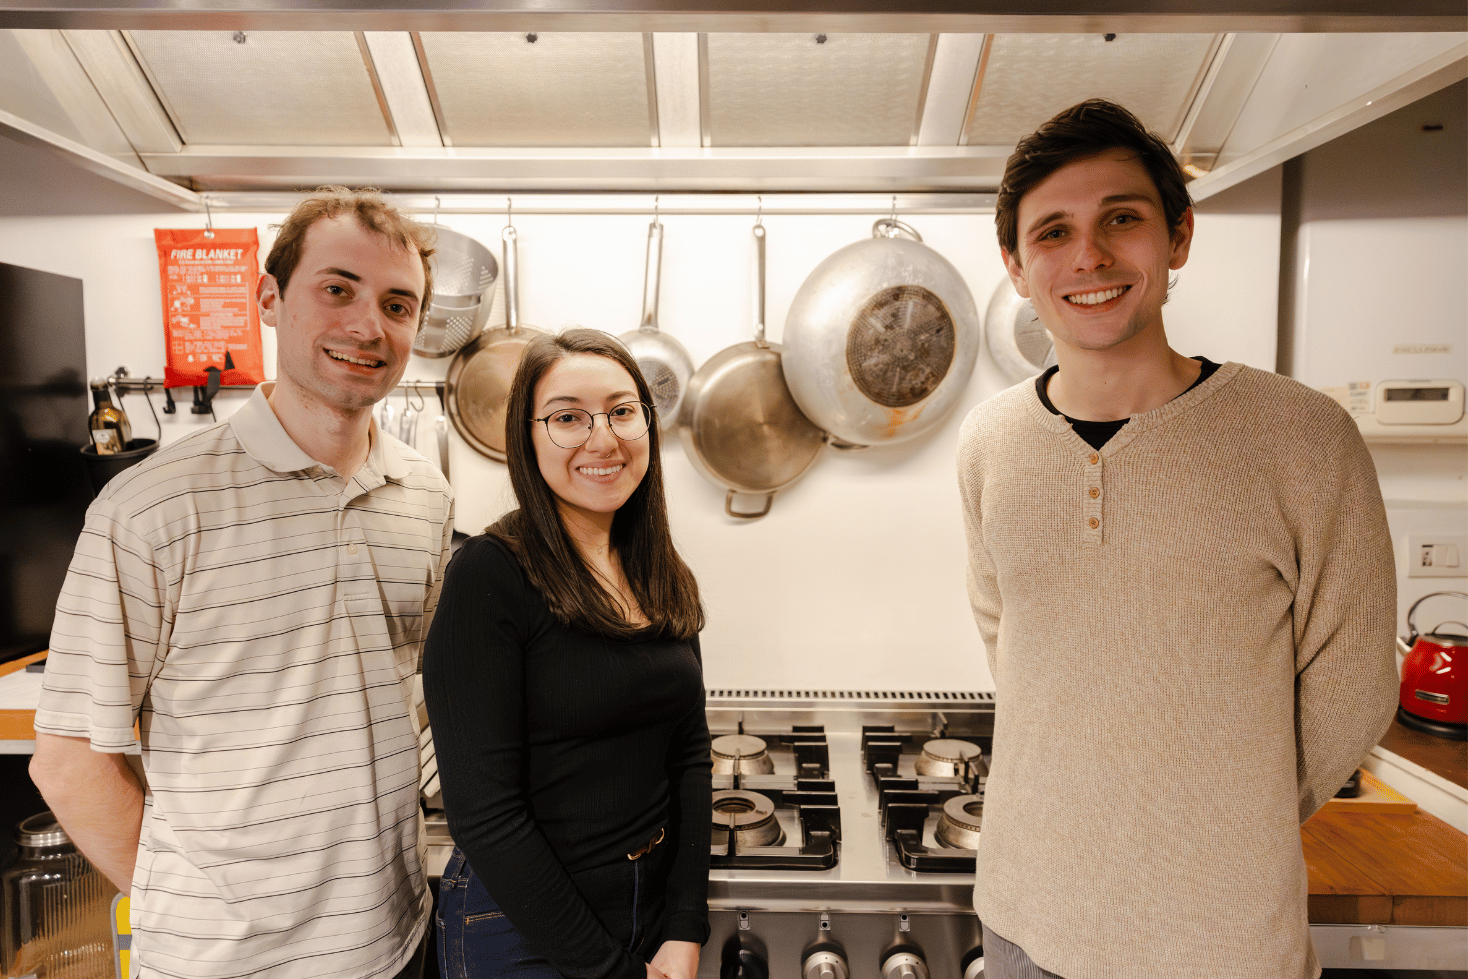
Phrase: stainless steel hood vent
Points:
(547, 89)
(814, 89)
(265, 88)
(705, 103)
(1025, 77)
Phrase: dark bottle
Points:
(111, 431)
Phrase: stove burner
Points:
(741, 754)
(947, 757)
(748, 815)
(958, 828)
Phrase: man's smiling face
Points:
(1095, 251)
(346, 323)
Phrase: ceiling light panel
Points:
(1027, 78)
(815, 89)
(544, 89)
(264, 88)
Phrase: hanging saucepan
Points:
(664, 363)
(744, 431)
(880, 340)
(478, 382)
(1017, 340)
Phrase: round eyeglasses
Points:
(571, 428)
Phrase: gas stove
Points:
(844, 827)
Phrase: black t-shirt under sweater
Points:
(560, 751)
(1097, 434)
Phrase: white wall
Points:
(856, 578)
(1381, 245)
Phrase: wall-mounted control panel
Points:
(1437, 556)
(1419, 402)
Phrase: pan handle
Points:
(759, 302)
(512, 278)
(654, 275)
(729, 506)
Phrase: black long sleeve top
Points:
(559, 751)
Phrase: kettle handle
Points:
(1412, 633)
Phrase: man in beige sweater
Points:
(1184, 581)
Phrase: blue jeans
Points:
(477, 941)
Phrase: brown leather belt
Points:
(638, 854)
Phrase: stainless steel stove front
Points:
(868, 917)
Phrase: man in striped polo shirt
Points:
(255, 597)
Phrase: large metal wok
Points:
(743, 431)
(881, 339)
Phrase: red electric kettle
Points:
(1434, 697)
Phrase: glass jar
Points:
(58, 920)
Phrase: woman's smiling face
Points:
(599, 476)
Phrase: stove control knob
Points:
(975, 969)
(904, 965)
(744, 964)
(825, 965)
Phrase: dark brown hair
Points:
(372, 212)
(1090, 127)
(663, 585)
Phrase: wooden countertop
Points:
(1385, 869)
(1380, 868)
(18, 725)
(1440, 756)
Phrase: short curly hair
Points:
(1085, 129)
(372, 211)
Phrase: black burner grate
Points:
(906, 802)
(807, 799)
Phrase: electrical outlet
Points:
(1437, 556)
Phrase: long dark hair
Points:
(663, 585)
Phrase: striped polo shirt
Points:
(262, 619)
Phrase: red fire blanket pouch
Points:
(209, 313)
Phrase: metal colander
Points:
(462, 269)
(900, 345)
(1031, 337)
(664, 384)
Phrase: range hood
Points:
(606, 97)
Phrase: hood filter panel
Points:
(1030, 77)
(559, 89)
(815, 89)
(264, 88)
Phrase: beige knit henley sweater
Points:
(1191, 633)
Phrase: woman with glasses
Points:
(564, 686)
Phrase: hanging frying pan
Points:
(744, 432)
(478, 382)
(1017, 340)
(662, 359)
(881, 339)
